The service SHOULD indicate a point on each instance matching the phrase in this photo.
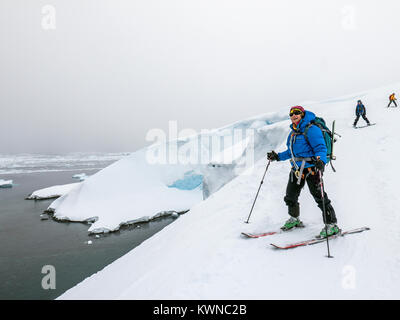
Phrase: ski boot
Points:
(292, 223)
(332, 230)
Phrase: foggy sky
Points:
(112, 70)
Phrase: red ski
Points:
(317, 239)
(270, 233)
(259, 235)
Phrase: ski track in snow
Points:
(203, 256)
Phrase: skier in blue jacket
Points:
(360, 111)
(306, 158)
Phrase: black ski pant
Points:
(358, 117)
(394, 101)
(293, 192)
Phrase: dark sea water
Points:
(28, 243)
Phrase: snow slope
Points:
(203, 256)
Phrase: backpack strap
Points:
(299, 170)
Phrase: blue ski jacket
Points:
(360, 109)
(298, 147)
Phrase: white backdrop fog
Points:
(82, 75)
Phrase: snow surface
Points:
(52, 192)
(203, 256)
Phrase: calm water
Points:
(28, 243)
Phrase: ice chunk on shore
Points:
(80, 176)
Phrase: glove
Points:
(273, 156)
(320, 165)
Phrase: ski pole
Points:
(262, 181)
(324, 211)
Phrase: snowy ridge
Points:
(203, 256)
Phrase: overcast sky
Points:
(79, 75)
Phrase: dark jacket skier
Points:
(360, 111)
(307, 158)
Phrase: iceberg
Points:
(6, 183)
(171, 175)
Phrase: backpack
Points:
(328, 136)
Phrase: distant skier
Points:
(306, 157)
(393, 99)
(360, 111)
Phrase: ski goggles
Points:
(296, 112)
